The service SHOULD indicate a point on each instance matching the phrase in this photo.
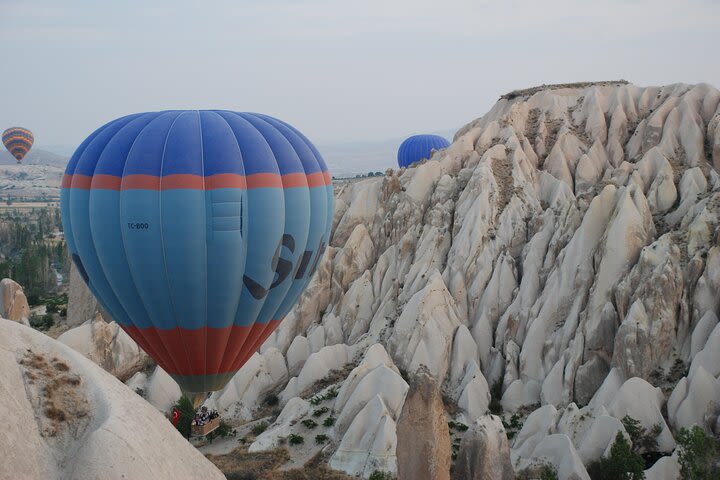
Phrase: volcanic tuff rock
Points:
(561, 254)
(107, 345)
(423, 448)
(66, 418)
(13, 303)
(484, 452)
(82, 305)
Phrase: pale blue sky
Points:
(340, 70)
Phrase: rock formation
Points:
(559, 260)
(423, 448)
(82, 305)
(484, 452)
(64, 417)
(107, 345)
(13, 303)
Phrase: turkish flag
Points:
(175, 416)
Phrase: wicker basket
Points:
(201, 430)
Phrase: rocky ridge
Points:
(558, 261)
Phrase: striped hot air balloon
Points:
(419, 147)
(197, 231)
(18, 141)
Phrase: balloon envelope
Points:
(419, 147)
(197, 231)
(18, 141)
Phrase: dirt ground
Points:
(243, 465)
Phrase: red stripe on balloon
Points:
(195, 182)
(82, 182)
(105, 182)
(202, 351)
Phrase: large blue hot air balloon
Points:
(197, 231)
(419, 147)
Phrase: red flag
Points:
(175, 416)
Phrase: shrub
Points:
(329, 421)
(320, 411)
(378, 475)
(322, 438)
(495, 395)
(259, 428)
(622, 464)
(271, 400)
(513, 426)
(461, 427)
(42, 323)
(698, 454)
(309, 423)
(548, 472)
(295, 439)
(223, 430)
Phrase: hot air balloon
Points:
(419, 147)
(197, 231)
(18, 141)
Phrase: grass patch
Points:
(259, 428)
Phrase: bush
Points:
(329, 422)
(223, 430)
(309, 423)
(33, 299)
(513, 426)
(320, 411)
(295, 439)
(461, 427)
(42, 323)
(378, 475)
(622, 464)
(548, 472)
(495, 406)
(322, 438)
(259, 428)
(187, 413)
(318, 399)
(698, 454)
(271, 400)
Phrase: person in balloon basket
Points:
(202, 417)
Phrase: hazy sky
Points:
(338, 70)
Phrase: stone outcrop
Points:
(484, 452)
(423, 449)
(14, 305)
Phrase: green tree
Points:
(698, 454)
(643, 441)
(187, 413)
(622, 464)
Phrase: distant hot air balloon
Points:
(197, 231)
(419, 147)
(18, 141)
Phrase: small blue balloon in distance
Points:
(419, 147)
